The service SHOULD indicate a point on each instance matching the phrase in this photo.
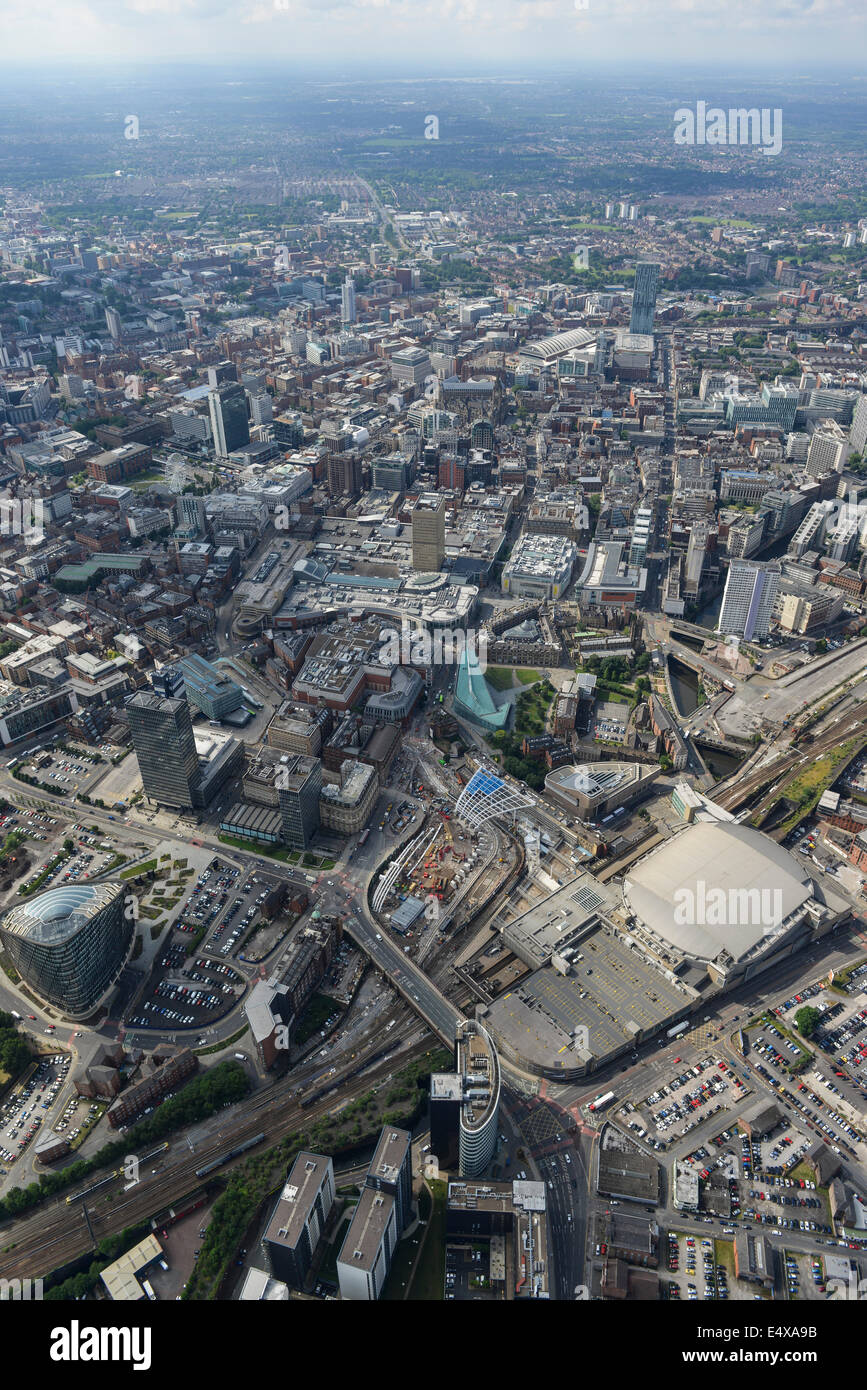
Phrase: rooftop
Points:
(296, 1200)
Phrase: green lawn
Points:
(255, 847)
(221, 1046)
(500, 677)
(144, 868)
(527, 676)
(720, 221)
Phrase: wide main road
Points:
(349, 900)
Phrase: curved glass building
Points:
(479, 1069)
(70, 943)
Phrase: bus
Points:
(363, 836)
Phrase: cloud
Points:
(422, 32)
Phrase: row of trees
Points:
(224, 1085)
(250, 1183)
(14, 1051)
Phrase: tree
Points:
(807, 1020)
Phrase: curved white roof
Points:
(716, 887)
(56, 915)
(546, 349)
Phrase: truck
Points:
(601, 1102)
(148, 1290)
(14, 1014)
(676, 1031)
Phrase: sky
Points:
(803, 34)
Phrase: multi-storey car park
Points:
(609, 967)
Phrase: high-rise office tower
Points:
(228, 408)
(482, 435)
(391, 1170)
(644, 297)
(382, 1212)
(479, 1069)
(446, 1098)
(261, 408)
(300, 1217)
(69, 944)
(168, 682)
(222, 374)
(162, 736)
(112, 323)
(345, 474)
(748, 600)
(858, 432)
(429, 533)
(347, 301)
(299, 784)
(190, 511)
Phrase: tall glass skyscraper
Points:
(347, 300)
(299, 784)
(228, 408)
(162, 736)
(644, 297)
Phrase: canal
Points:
(684, 685)
(718, 763)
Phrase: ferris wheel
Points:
(176, 475)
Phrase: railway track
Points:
(59, 1232)
(772, 779)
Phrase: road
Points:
(349, 899)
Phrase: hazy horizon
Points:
(778, 35)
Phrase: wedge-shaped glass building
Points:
(69, 944)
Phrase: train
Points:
(227, 1157)
(118, 1173)
(332, 1089)
(317, 1095)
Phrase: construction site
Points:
(432, 867)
